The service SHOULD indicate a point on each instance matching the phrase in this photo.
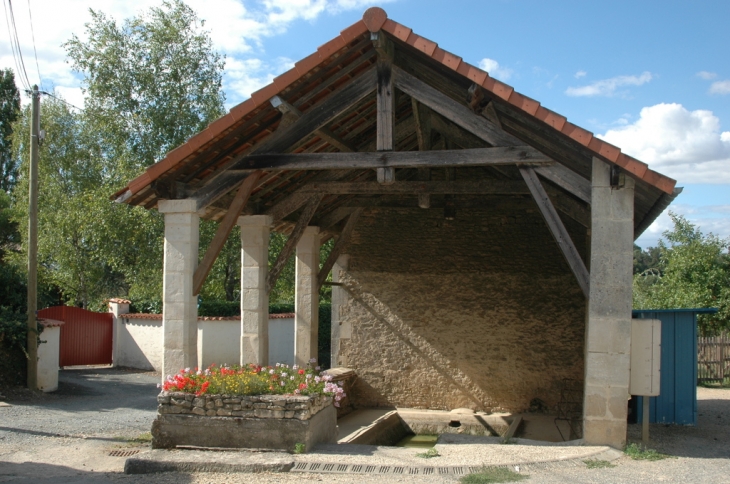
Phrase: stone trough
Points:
(233, 421)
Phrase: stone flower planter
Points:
(235, 421)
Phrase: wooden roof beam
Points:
(452, 110)
(445, 187)
(504, 155)
(557, 229)
(323, 132)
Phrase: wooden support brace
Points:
(323, 133)
(292, 241)
(339, 247)
(422, 116)
(385, 105)
(557, 229)
(224, 230)
(452, 110)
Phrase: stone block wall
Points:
(258, 406)
(479, 312)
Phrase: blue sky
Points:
(652, 77)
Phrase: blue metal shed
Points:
(677, 400)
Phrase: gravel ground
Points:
(66, 437)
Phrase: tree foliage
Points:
(693, 272)
(150, 83)
(9, 108)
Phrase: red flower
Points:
(302, 386)
(301, 372)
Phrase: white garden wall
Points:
(138, 340)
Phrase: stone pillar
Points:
(179, 305)
(254, 297)
(117, 307)
(341, 328)
(608, 331)
(306, 302)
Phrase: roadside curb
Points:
(156, 461)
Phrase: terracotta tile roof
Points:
(119, 300)
(200, 318)
(375, 19)
(49, 323)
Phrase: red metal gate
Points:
(86, 336)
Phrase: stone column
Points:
(341, 327)
(117, 307)
(179, 305)
(608, 331)
(306, 303)
(254, 297)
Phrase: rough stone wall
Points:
(479, 312)
(259, 406)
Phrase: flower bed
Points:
(247, 407)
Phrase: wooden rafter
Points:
(224, 230)
(385, 116)
(444, 187)
(452, 110)
(557, 229)
(292, 241)
(323, 132)
(297, 199)
(422, 116)
(568, 180)
(339, 247)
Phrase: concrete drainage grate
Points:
(320, 468)
(123, 453)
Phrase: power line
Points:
(35, 52)
(12, 48)
(61, 99)
(15, 45)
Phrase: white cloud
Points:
(494, 69)
(237, 29)
(708, 76)
(608, 87)
(686, 145)
(580, 74)
(720, 87)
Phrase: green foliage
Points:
(299, 448)
(694, 272)
(492, 475)
(598, 464)
(639, 452)
(9, 109)
(429, 454)
(151, 83)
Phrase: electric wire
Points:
(13, 49)
(15, 44)
(61, 99)
(35, 52)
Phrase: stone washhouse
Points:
(483, 243)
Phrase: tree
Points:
(9, 109)
(151, 83)
(696, 274)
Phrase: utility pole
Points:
(33, 241)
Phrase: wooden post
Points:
(385, 115)
(32, 340)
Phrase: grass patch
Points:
(142, 439)
(598, 464)
(638, 452)
(492, 474)
(299, 448)
(430, 453)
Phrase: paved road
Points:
(66, 437)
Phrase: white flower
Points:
(317, 368)
(283, 383)
(283, 375)
(295, 367)
(278, 365)
(291, 377)
(313, 360)
(271, 372)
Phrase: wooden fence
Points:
(713, 359)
